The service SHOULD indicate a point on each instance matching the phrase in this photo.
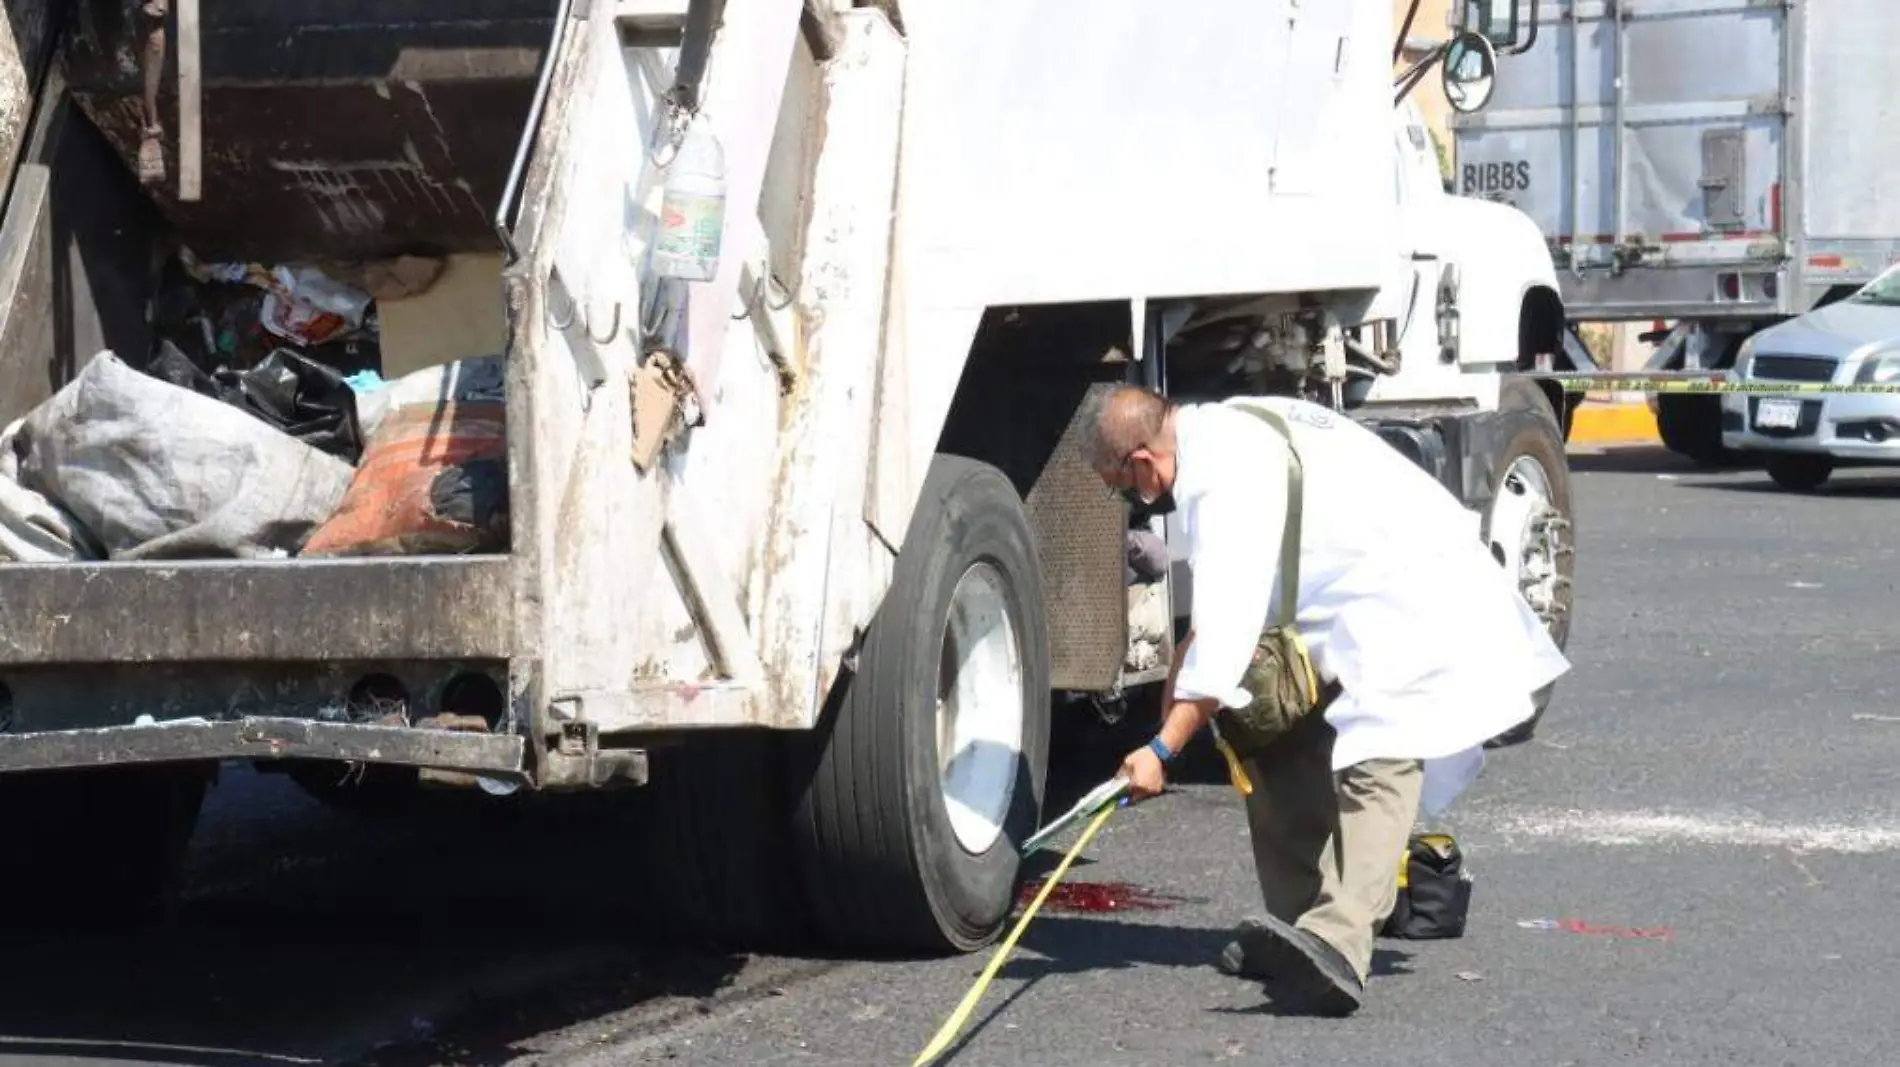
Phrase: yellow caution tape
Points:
(952, 1025)
(1610, 383)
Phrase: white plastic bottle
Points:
(693, 210)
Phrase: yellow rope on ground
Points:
(962, 1015)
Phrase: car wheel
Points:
(1799, 472)
(1528, 522)
(927, 769)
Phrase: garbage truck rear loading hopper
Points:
(798, 304)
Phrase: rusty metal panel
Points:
(293, 611)
(1081, 534)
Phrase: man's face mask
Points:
(1142, 509)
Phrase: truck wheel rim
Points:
(980, 708)
(1527, 532)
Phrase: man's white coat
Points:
(1399, 600)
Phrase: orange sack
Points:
(432, 481)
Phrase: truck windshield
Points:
(1883, 290)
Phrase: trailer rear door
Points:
(1640, 132)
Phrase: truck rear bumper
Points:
(403, 661)
(264, 738)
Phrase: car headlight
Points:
(1882, 369)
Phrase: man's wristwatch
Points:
(1160, 749)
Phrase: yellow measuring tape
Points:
(952, 1025)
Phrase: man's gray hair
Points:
(1118, 419)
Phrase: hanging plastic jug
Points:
(693, 210)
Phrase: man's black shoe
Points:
(1246, 955)
(1302, 972)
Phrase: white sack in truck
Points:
(33, 529)
(155, 471)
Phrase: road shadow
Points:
(454, 934)
(1644, 459)
(1847, 485)
(1070, 944)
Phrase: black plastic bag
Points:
(1434, 891)
(306, 399)
(475, 494)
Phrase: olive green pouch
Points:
(1281, 678)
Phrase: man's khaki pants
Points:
(1327, 846)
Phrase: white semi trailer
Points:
(1714, 165)
(800, 546)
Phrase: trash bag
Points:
(154, 471)
(33, 529)
(300, 396)
(434, 476)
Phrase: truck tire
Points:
(1691, 426)
(957, 658)
(95, 847)
(1528, 520)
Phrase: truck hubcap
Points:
(1528, 533)
(980, 708)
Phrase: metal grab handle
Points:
(511, 192)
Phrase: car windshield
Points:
(1882, 290)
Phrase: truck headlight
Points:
(1879, 370)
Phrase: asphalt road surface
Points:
(1703, 841)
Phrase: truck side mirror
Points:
(1470, 72)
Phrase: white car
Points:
(1803, 438)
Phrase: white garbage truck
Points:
(796, 305)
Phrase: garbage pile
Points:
(260, 427)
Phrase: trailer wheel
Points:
(1691, 426)
(1528, 523)
(928, 768)
(95, 847)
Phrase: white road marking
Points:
(1639, 828)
